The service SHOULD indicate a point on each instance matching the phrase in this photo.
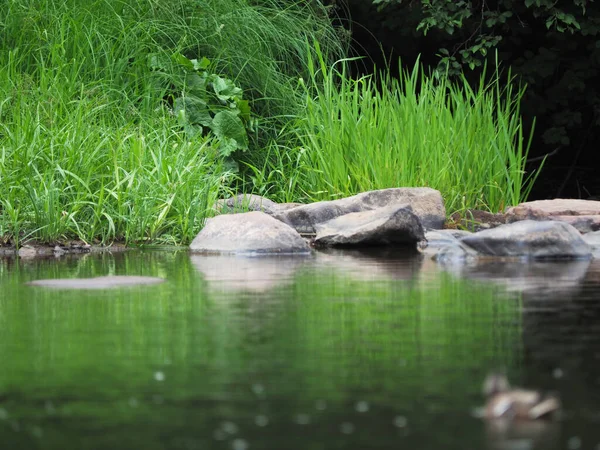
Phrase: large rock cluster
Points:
(384, 217)
(402, 217)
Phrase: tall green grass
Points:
(379, 132)
(89, 146)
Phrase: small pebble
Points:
(400, 421)
(361, 406)
(261, 420)
(159, 376)
(557, 373)
(239, 444)
(50, 409)
(574, 443)
(219, 435)
(321, 405)
(347, 428)
(229, 427)
(302, 419)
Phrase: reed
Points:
(379, 132)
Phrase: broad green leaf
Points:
(182, 60)
(244, 109)
(158, 61)
(195, 110)
(196, 84)
(202, 64)
(225, 89)
(227, 146)
(227, 126)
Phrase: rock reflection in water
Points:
(248, 273)
(506, 434)
(376, 264)
(554, 279)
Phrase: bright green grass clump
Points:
(359, 135)
(89, 145)
(92, 145)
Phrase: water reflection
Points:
(504, 434)
(337, 350)
(372, 264)
(554, 280)
(232, 273)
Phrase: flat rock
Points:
(531, 239)
(582, 214)
(108, 282)
(248, 233)
(427, 204)
(395, 224)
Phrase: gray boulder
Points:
(426, 203)
(247, 233)
(531, 239)
(395, 224)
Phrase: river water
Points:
(339, 350)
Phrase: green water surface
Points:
(339, 350)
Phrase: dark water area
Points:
(339, 350)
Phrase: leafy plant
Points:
(207, 103)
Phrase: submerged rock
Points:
(427, 204)
(108, 282)
(531, 239)
(395, 224)
(248, 233)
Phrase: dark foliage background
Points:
(552, 46)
